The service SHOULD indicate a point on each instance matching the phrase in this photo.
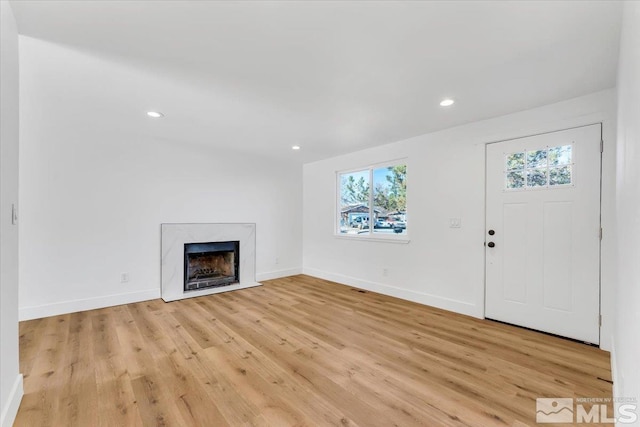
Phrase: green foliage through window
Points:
(541, 168)
(390, 188)
(354, 188)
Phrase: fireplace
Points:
(211, 265)
(194, 263)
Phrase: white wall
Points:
(10, 378)
(93, 196)
(441, 266)
(626, 353)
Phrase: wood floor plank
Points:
(276, 381)
(76, 395)
(116, 399)
(232, 405)
(154, 407)
(298, 351)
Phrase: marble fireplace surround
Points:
(173, 239)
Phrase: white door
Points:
(543, 232)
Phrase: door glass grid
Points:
(543, 168)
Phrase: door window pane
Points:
(560, 155)
(537, 159)
(536, 177)
(515, 179)
(515, 161)
(560, 176)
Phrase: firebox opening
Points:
(213, 264)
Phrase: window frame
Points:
(370, 235)
(547, 168)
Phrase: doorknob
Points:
(491, 232)
(491, 244)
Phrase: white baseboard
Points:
(64, 307)
(617, 383)
(10, 407)
(278, 274)
(448, 304)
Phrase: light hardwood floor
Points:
(296, 351)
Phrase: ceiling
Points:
(333, 77)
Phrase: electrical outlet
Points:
(124, 277)
(455, 222)
(385, 272)
(277, 260)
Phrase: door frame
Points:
(486, 145)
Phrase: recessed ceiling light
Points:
(295, 147)
(154, 114)
(447, 102)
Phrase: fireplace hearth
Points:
(210, 265)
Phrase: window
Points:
(373, 201)
(550, 167)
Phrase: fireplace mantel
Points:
(175, 236)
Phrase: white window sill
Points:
(374, 238)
